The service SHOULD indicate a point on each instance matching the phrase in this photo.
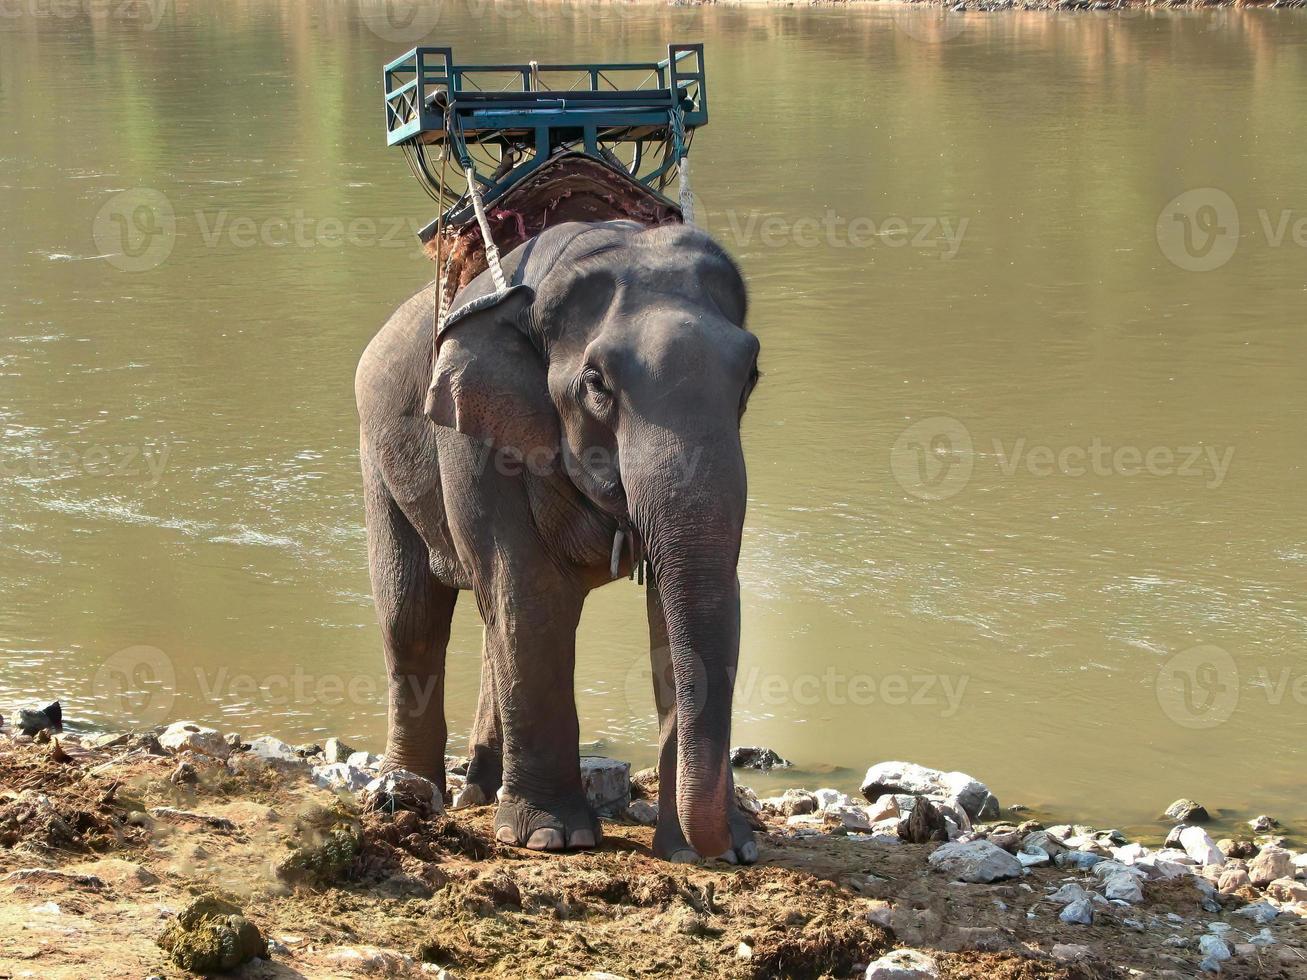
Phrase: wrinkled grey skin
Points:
(605, 389)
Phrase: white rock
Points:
(186, 736)
(607, 784)
(1123, 888)
(851, 817)
(1263, 824)
(334, 750)
(1070, 952)
(1259, 912)
(1130, 854)
(1214, 947)
(975, 861)
(643, 811)
(747, 799)
(1033, 858)
(1269, 864)
(1068, 893)
(364, 760)
(1287, 889)
(271, 749)
(906, 777)
(884, 808)
(827, 798)
(1080, 912)
(903, 964)
(406, 789)
(340, 777)
(1199, 846)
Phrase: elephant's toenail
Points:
(505, 835)
(469, 796)
(684, 856)
(582, 838)
(545, 839)
(749, 852)
(728, 857)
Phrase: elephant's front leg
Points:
(531, 618)
(669, 840)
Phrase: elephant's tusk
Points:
(616, 559)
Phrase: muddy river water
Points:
(1026, 478)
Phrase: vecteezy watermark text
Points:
(935, 458)
(941, 234)
(122, 461)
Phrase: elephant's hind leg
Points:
(414, 610)
(485, 772)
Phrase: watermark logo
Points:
(137, 686)
(136, 229)
(1198, 688)
(401, 21)
(1198, 231)
(933, 459)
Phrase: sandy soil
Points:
(100, 849)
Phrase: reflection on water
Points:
(1025, 484)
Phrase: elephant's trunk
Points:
(691, 529)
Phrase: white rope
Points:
(687, 199)
(492, 253)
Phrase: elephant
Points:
(601, 392)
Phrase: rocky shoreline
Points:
(188, 851)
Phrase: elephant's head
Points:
(633, 340)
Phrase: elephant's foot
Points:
(485, 774)
(670, 844)
(546, 824)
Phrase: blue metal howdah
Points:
(506, 121)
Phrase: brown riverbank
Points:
(102, 845)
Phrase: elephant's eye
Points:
(595, 392)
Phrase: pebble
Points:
(903, 964)
(976, 861)
(1263, 824)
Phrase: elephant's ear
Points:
(489, 380)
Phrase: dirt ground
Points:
(100, 849)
